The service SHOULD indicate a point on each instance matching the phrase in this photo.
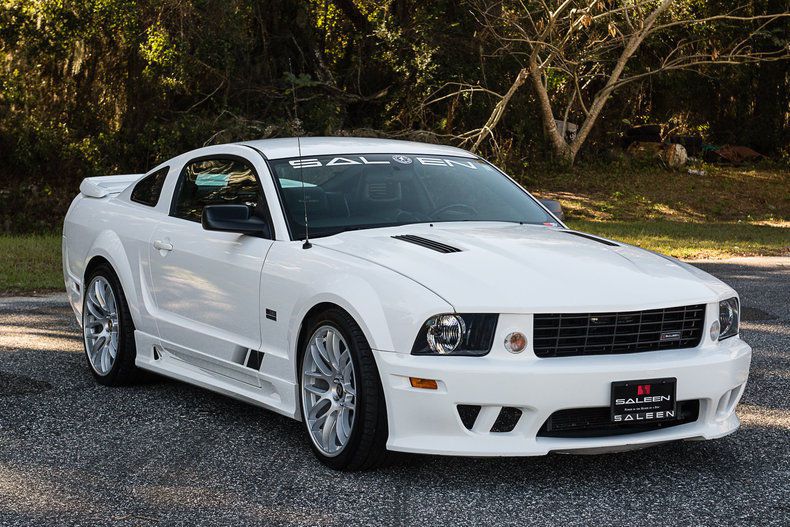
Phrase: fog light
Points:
(714, 331)
(515, 342)
(425, 384)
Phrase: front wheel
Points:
(342, 400)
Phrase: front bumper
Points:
(427, 421)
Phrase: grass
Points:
(30, 264)
(694, 240)
(622, 193)
(727, 212)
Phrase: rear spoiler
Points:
(101, 186)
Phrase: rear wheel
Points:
(342, 400)
(108, 331)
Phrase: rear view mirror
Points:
(554, 207)
(233, 218)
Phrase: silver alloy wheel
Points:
(100, 325)
(329, 391)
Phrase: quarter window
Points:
(148, 189)
(217, 182)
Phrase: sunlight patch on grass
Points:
(617, 193)
(695, 240)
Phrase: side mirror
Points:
(233, 218)
(554, 207)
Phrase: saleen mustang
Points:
(397, 296)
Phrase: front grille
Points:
(595, 422)
(573, 334)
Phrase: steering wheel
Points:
(460, 207)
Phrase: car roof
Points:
(317, 146)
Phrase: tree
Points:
(576, 53)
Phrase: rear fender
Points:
(108, 245)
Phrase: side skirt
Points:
(273, 394)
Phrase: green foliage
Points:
(100, 86)
(163, 60)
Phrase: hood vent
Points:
(428, 244)
(593, 238)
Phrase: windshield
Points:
(376, 190)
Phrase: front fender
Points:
(388, 307)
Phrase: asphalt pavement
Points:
(73, 452)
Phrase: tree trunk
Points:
(560, 148)
(564, 152)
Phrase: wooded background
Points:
(101, 86)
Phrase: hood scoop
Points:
(428, 244)
(593, 238)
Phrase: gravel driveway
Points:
(164, 453)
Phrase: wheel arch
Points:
(317, 308)
(355, 298)
(93, 263)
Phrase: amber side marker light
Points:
(425, 384)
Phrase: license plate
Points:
(644, 401)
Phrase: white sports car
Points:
(397, 296)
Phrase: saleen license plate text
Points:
(644, 401)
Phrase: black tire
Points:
(367, 444)
(123, 370)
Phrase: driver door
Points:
(206, 284)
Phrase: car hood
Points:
(510, 268)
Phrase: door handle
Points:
(159, 245)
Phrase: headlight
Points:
(453, 334)
(729, 316)
(445, 333)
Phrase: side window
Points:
(148, 189)
(217, 182)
